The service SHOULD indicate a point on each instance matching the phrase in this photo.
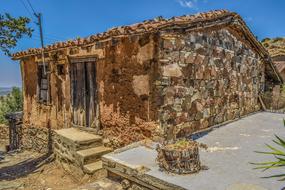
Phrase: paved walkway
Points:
(231, 148)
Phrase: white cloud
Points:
(188, 4)
(193, 4)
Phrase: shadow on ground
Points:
(24, 168)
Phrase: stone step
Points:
(78, 139)
(93, 167)
(92, 154)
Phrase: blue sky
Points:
(68, 19)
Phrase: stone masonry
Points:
(206, 78)
(80, 152)
(37, 138)
(4, 132)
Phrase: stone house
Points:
(161, 77)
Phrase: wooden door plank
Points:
(78, 93)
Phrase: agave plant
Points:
(279, 156)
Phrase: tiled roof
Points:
(146, 26)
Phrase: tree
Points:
(11, 30)
(13, 102)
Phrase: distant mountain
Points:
(5, 90)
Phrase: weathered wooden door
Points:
(83, 93)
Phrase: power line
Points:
(39, 23)
(32, 7)
(37, 39)
(27, 8)
(48, 37)
(55, 36)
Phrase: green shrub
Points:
(279, 154)
(265, 39)
(277, 39)
(13, 102)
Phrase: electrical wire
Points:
(31, 7)
(49, 37)
(28, 11)
(56, 36)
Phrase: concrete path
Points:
(231, 149)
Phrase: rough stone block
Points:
(172, 70)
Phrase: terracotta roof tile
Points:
(145, 26)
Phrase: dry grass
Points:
(275, 46)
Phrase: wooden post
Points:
(15, 130)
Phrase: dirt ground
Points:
(33, 171)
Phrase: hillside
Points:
(275, 46)
(5, 90)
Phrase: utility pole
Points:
(39, 17)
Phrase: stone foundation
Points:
(4, 136)
(4, 132)
(79, 152)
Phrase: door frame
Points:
(84, 60)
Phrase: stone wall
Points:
(36, 138)
(4, 132)
(65, 154)
(31, 138)
(206, 78)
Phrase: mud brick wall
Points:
(206, 78)
(56, 113)
(128, 109)
(126, 70)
